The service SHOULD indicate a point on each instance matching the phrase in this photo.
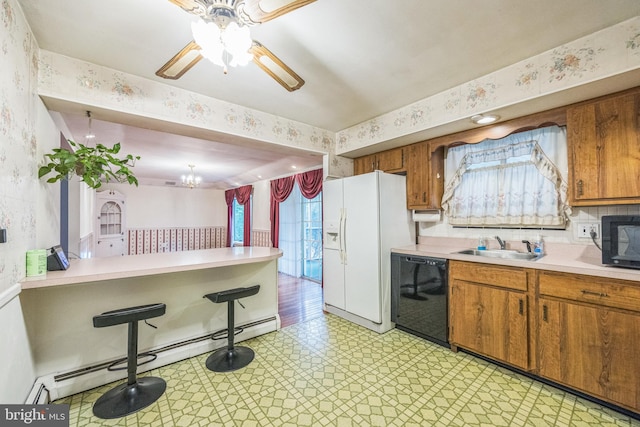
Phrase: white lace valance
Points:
(516, 181)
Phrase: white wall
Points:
(261, 205)
(514, 236)
(154, 206)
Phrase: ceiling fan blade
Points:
(259, 11)
(181, 62)
(277, 69)
(191, 6)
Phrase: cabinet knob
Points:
(580, 188)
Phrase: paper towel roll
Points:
(426, 216)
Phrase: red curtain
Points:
(228, 197)
(310, 183)
(243, 196)
(280, 190)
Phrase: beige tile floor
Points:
(329, 372)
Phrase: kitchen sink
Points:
(501, 253)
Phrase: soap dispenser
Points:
(538, 246)
(482, 243)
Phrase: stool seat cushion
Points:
(233, 294)
(130, 314)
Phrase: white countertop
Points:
(562, 257)
(118, 267)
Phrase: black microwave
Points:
(621, 240)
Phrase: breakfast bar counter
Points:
(70, 354)
(98, 269)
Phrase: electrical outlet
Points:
(585, 228)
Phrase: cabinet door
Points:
(604, 141)
(391, 160)
(418, 176)
(425, 180)
(490, 321)
(364, 164)
(592, 349)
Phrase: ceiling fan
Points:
(222, 35)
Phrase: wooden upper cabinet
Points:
(425, 176)
(391, 161)
(603, 138)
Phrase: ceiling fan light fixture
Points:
(277, 69)
(216, 43)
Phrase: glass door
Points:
(312, 238)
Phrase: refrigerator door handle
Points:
(343, 240)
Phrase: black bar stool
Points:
(136, 394)
(230, 358)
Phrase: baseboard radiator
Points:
(56, 386)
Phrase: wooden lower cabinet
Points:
(585, 342)
(591, 349)
(488, 311)
(491, 322)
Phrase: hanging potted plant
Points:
(91, 164)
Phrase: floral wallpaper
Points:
(18, 145)
(607, 52)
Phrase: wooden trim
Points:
(556, 116)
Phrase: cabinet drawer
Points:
(597, 290)
(506, 277)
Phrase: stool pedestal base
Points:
(225, 360)
(126, 398)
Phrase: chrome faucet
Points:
(503, 245)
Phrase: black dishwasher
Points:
(419, 296)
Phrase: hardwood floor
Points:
(298, 299)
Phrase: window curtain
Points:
(514, 181)
(310, 184)
(228, 197)
(243, 196)
(280, 189)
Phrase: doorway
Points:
(300, 236)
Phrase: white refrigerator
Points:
(364, 216)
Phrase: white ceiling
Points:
(359, 58)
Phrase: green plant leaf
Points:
(92, 164)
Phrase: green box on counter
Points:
(36, 262)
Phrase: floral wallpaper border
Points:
(73, 80)
(611, 51)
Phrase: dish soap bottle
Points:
(538, 246)
(482, 243)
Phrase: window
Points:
(237, 224)
(516, 181)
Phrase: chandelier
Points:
(222, 40)
(191, 180)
